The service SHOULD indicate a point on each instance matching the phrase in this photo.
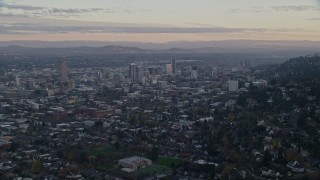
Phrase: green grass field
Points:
(169, 161)
(105, 167)
(153, 169)
(107, 157)
(101, 150)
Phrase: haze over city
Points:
(159, 89)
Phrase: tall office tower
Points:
(147, 73)
(31, 84)
(233, 85)
(214, 71)
(152, 71)
(17, 80)
(63, 71)
(100, 76)
(194, 73)
(71, 85)
(140, 72)
(133, 72)
(169, 69)
(159, 70)
(174, 66)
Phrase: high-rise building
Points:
(169, 69)
(100, 76)
(63, 71)
(31, 84)
(214, 71)
(152, 71)
(140, 73)
(194, 73)
(233, 85)
(133, 72)
(159, 70)
(17, 80)
(174, 66)
(71, 85)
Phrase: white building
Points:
(34, 106)
(233, 85)
(17, 81)
(260, 83)
(194, 74)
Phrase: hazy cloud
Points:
(314, 19)
(276, 8)
(253, 9)
(38, 11)
(294, 8)
(20, 7)
(59, 12)
(14, 28)
(10, 15)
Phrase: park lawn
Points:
(102, 150)
(153, 169)
(169, 161)
(105, 167)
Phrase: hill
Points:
(300, 69)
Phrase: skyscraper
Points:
(17, 80)
(140, 73)
(173, 65)
(63, 71)
(169, 69)
(133, 72)
(194, 73)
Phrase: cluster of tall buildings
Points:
(139, 73)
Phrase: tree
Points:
(154, 153)
(98, 124)
(301, 122)
(70, 155)
(63, 172)
(13, 147)
(266, 158)
(205, 126)
(281, 155)
(117, 145)
(242, 100)
(231, 117)
(213, 172)
(173, 167)
(36, 167)
(81, 157)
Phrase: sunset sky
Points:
(159, 20)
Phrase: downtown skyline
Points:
(159, 21)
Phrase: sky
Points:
(159, 20)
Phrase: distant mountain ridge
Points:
(164, 46)
(272, 48)
(20, 50)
